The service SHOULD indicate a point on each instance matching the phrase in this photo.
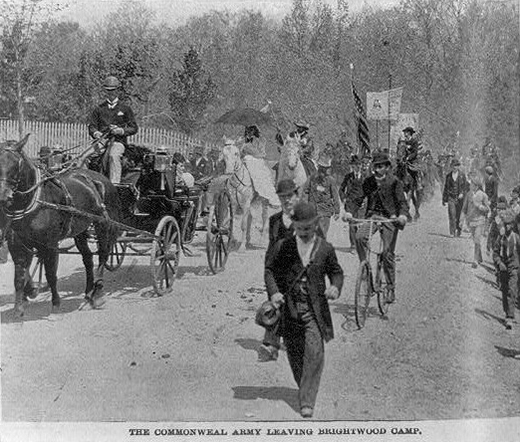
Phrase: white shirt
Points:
(305, 249)
(286, 220)
(454, 175)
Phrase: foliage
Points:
(191, 92)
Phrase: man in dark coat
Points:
(295, 270)
(280, 227)
(385, 199)
(117, 119)
(200, 166)
(455, 188)
(351, 192)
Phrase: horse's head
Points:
(290, 153)
(11, 168)
(231, 156)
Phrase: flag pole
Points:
(389, 89)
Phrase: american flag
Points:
(362, 125)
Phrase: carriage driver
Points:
(116, 119)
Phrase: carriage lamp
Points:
(55, 160)
(162, 163)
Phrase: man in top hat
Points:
(280, 227)
(455, 188)
(200, 166)
(385, 199)
(295, 271)
(322, 192)
(506, 257)
(351, 192)
(116, 119)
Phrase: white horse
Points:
(290, 165)
(240, 186)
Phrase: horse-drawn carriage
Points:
(156, 215)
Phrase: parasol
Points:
(245, 116)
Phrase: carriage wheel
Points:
(117, 254)
(220, 233)
(165, 254)
(381, 287)
(362, 293)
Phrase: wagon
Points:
(160, 217)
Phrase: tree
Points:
(191, 91)
(19, 21)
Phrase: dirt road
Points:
(443, 352)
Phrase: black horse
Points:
(36, 220)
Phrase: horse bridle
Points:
(14, 184)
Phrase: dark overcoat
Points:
(282, 267)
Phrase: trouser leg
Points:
(512, 287)
(458, 211)
(389, 236)
(324, 223)
(452, 217)
(271, 339)
(116, 153)
(305, 350)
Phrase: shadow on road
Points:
(442, 235)
(507, 352)
(462, 261)
(41, 310)
(487, 315)
(288, 395)
(249, 344)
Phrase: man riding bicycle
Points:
(115, 119)
(411, 157)
(385, 199)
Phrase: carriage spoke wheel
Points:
(381, 287)
(362, 294)
(165, 254)
(117, 254)
(220, 233)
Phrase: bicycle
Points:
(366, 285)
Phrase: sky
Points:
(175, 12)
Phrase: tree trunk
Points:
(19, 98)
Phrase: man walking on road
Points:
(280, 227)
(295, 270)
(455, 189)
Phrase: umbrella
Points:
(245, 117)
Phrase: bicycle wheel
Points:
(362, 293)
(381, 287)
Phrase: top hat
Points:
(381, 158)
(267, 315)
(409, 130)
(304, 213)
(286, 187)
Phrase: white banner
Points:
(384, 105)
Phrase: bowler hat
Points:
(110, 83)
(381, 158)
(302, 124)
(409, 130)
(455, 162)
(508, 216)
(324, 160)
(304, 213)
(286, 187)
(267, 315)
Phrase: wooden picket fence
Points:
(76, 138)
